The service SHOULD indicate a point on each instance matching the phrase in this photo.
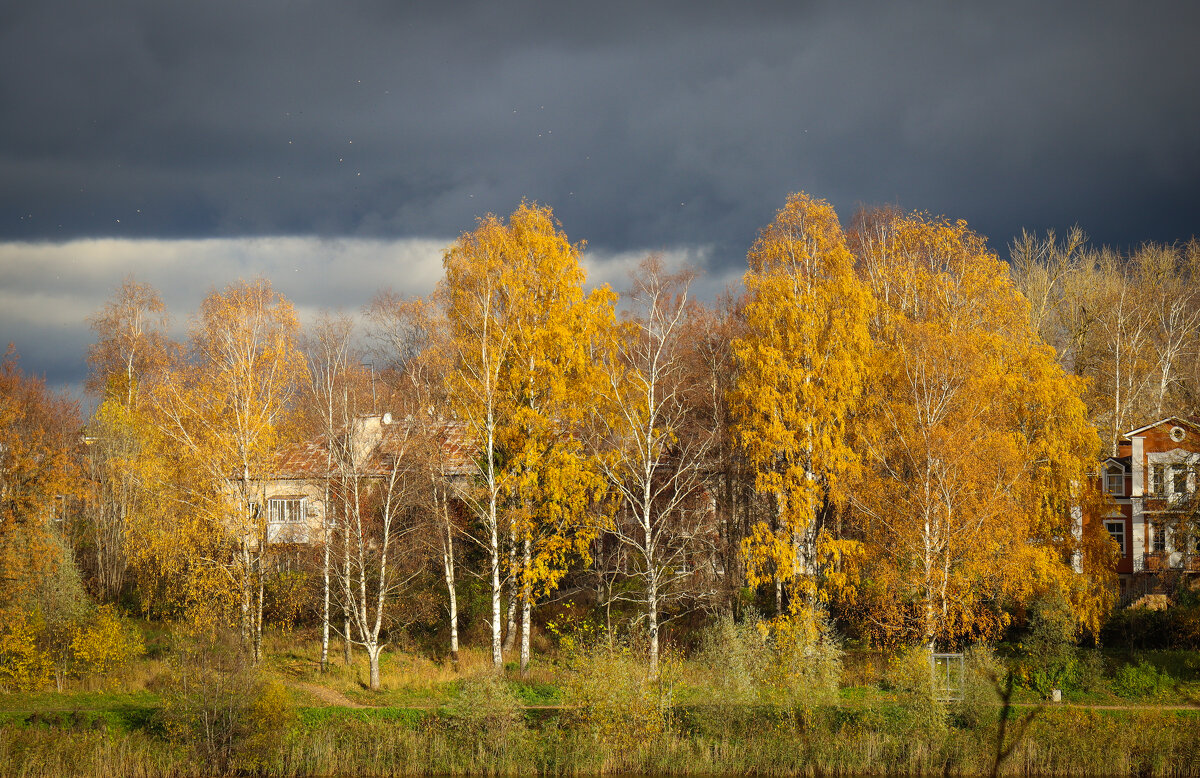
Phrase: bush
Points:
(911, 678)
(983, 675)
(1050, 661)
(617, 702)
(106, 644)
(791, 662)
(1089, 675)
(485, 714)
(23, 666)
(216, 702)
(1141, 681)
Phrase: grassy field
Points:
(597, 714)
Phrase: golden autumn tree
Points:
(39, 435)
(552, 380)
(476, 296)
(519, 330)
(975, 443)
(124, 458)
(802, 363)
(41, 597)
(226, 407)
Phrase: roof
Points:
(444, 439)
(1152, 425)
(1125, 462)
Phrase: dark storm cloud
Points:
(643, 124)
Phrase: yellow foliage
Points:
(803, 362)
(24, 667)
(106, 644)
(975, 442)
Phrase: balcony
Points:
(1159, 561)
(280, 532)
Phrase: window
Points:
(1159, 540)
(1117, 530)
(1158, 479)
(1179, 478)
(285, 510)
(1116, 481)
(287, 520)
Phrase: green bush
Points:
(911, 678)
(616, 700)
(1141, 681)
(983, 676)
(485, 712)
(792, 663)
(216, 702)
(1089, 676)
(1050, 662)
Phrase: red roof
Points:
(444, 439)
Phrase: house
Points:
(369, 448)
(1152, 483)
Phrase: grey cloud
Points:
(643, 124)
(673, 125)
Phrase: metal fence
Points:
(947, 670)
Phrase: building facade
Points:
(1152, 483)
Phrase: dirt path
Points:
(329, 696)
(1087, 706)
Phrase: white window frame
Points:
(1117, 475)
(287, 523)
(1179, 470)
(1119, 535)
(1158, 537)
(1158, 479)
(297, 516)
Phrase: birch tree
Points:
(333, 390)
(975, 442)
(226, 408)
(410, 341)
(476, 293)
(124, 479)
(521, 332)
(379, 490)
(802, 364)
(651, 448)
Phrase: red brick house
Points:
(1153, 482)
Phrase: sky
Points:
(337, 148)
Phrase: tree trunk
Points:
(373, 651)
(514, 594)
(325, 597)
(246, 593)
(448, 564)
(526, 605)
(497, 646)
(347, 646)
(652, 618)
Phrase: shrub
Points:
(983, 675)
(911, 678)
(1050, 661)
(23, 666)
(793, 662)
(485, 712)
(616, 701)
(1141, 681)
(105, 644)
(216, 702)
(1089, 675)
